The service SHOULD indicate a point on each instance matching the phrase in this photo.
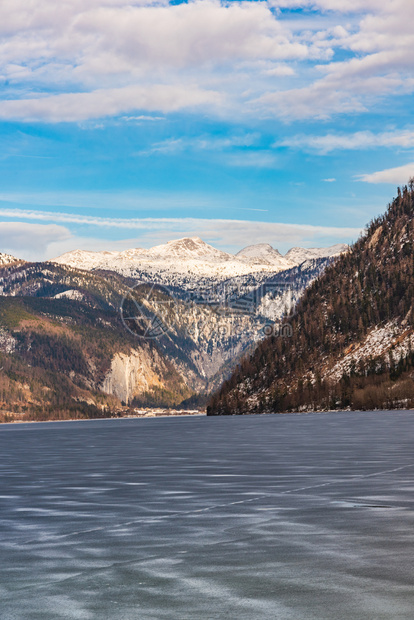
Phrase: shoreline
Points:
(188, 414)
(143, 414)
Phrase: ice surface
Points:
(292, 517)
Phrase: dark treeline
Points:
(366, 287)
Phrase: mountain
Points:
(190, 264)
(350, 342)
(188, 248)
(264, 254)
(187, 264)
(195, 351)
(223, 303)
(75, 340)
(299, 255)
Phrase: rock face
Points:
(7, 342)
(131, 375)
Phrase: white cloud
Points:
(396, 176)
(114, 57)
(109, 38)
(30, 241)
(340, 92)
(382, 65)
(94, 58)
(354, 141)
(280, 71)
(101, 103)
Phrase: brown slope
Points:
(352, 333)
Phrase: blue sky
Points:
(127, 124)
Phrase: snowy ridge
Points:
(5, 259)
(190, 262)
(263, 254)
(188, 247)
(299, 255)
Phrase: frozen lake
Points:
(284, 517)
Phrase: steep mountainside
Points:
(351, 339)
(64, 349)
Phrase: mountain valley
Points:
(65, 345)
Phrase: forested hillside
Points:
(64, 351)
(352, 342)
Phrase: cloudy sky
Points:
(126, 124)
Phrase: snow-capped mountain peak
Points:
(85, 259)
(188, 248)
(264, 254)
(299, 255)
(190, 263)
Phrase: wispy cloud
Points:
(201, 143)
(48, 240)
(396, 176)
(142, 117)
(353, 141)
(74, 107)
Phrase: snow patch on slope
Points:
(380, 342)
(5, 259)
(70, 294)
